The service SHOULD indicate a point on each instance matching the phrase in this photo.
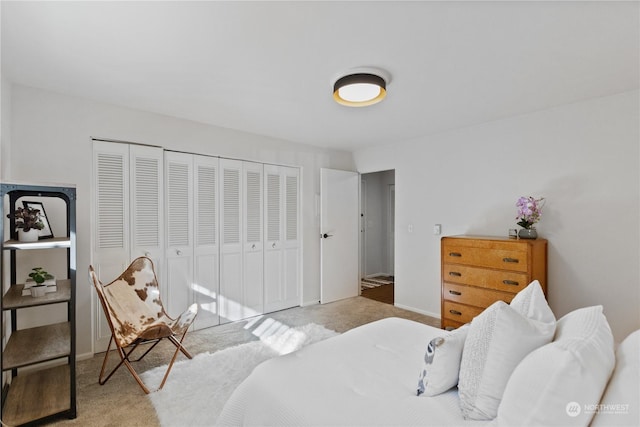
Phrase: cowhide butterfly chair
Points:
(136, 316)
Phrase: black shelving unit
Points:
(47, 389)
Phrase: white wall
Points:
(5, 125)
(51, 142)
(583, 158)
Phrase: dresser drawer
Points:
(501, 256)
(470, 295)
(507, 281)
(460, 312)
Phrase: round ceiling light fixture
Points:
(361, 87)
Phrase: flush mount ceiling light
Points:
(361, 87)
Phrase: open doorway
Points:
(377, 204)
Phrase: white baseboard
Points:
(369, 276)
(84, 356)
(417, 310)
(307, 303)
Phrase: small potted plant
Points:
(39, 276)
(529, 212)
(28, 223)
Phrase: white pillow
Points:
(498, 339)
(620, 405)
(558, 384)
(442, 363)
(532, 304)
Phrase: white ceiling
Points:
(268, 67)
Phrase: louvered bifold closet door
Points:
(231, 301)
(127, 213)
(179, 222)
(292, 247)
(274, 221)
(282, 246)
(253, 257)
(147, 205)
(110, 225)
(206, 253)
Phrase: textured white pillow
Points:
(620, 405)
(498, 339)
(559, 383)
(442, 363)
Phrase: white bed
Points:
(368, 375)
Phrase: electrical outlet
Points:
(437, 229)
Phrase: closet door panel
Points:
(179, 274)
(253, 258)
(273, 278)
(110, 229)
(231, 302)
(282, 251)
(291, 274)
(291, 245)
(147, 205)
(206, 253)
(205, 290)
(179, 236)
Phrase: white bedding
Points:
(364, 377)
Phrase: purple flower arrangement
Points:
(529, 211)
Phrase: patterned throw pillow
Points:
(442, 363)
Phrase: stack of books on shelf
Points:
(49, 283)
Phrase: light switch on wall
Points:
(410, 228)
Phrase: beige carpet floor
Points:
(121, 402)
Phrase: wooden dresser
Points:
(478, 271)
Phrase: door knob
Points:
(325, 235)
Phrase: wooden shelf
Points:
(34, 345)
(37, 395)
(13, 299)
(56, 242)
(38, 364)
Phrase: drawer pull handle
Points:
(510, 282)
(513, 260)
(457, 313)
(455, 273)
(456, 254)
(455, 292)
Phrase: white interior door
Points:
(339, 222)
